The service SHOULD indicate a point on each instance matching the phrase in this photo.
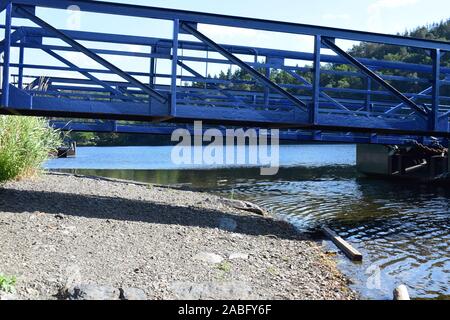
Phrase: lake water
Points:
(402, 229)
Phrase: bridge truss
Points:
(368, 109)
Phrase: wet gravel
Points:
(58, 230)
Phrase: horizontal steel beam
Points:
(285, 135)
(75, 108)
(191, 45)
(233, 21)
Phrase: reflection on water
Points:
(402, 229)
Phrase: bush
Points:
(25, 144)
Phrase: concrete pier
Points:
(402, 162)
(375, 159)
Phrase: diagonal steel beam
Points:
(198, 75)
(187, 68)
(401, 105)
(424, 92)
(255, 74)
(87, 74)
(330, 44)
(41, 23)
(3, 4)
(323, 94)
(15, 37)
(33, 84)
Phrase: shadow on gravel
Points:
(108, 208)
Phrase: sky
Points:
(383, 16)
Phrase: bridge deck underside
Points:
(330, 96)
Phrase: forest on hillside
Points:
(436, 31)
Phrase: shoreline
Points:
(61, 232)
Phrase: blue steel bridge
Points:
(156, 100)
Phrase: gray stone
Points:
(208, 257)
(238, 256)
(245, 206)
(212, 291)
(93, 292)
(133, 294)
(228, 224)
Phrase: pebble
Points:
(208, 257)
(228, 224)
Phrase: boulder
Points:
(233, 290)
(208, 257)
(133, 294)
(244, 206)
(92, 292)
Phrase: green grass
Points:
(273, 271)
(7, 283)
(25, 143)
(225, 267)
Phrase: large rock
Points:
(238, 256)
(133, 294)
(212, 291)
(93, 292)
(244, 206)
(208, 257)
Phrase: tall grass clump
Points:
(7, 283)
(25, 144)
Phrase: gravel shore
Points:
(59, 232)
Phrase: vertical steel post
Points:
(21, 62)
(436, 91)
(267, 90)
(206, 69)
(152, 69)
(7, 56)
(316, 80)
(369, 95)
(173, 102)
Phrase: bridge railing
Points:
(186, 76)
